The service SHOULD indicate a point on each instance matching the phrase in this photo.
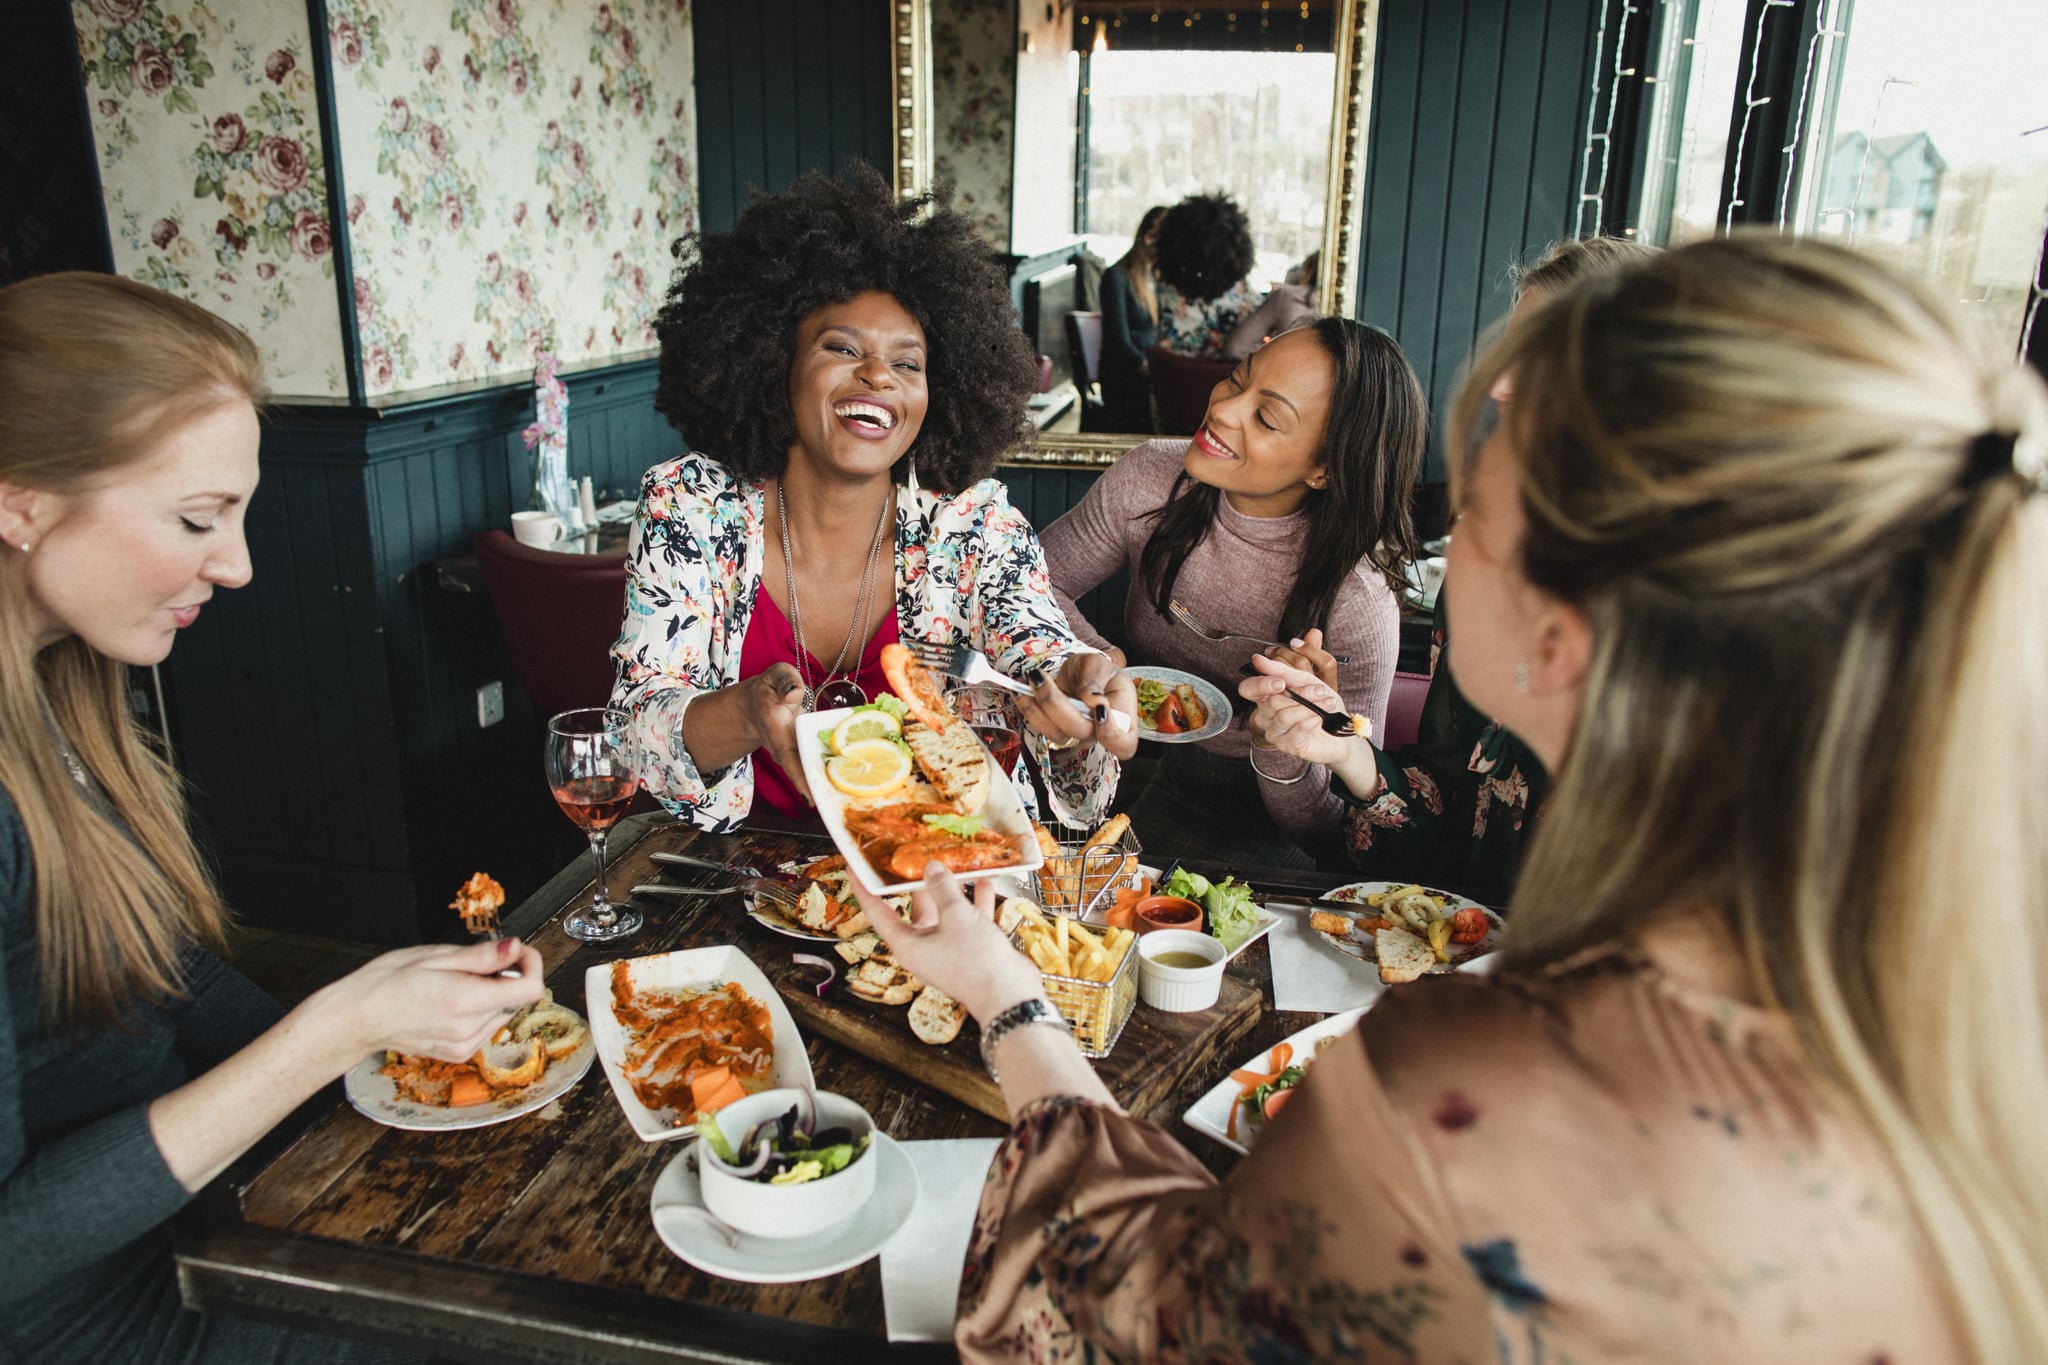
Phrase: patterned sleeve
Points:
(1099, 1237)
(1013, 617)
(686, 561)
(1401, 832)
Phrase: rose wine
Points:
(595, 802)
(1003, 744)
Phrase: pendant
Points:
(839, 692)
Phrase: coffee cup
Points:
(536, 528)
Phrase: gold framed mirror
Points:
(1356, 23)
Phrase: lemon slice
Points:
(864, 725)
(868, 767)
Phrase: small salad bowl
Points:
(782, 1211)
(1190, 976)
(1166, 912)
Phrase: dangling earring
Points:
(1522, 677)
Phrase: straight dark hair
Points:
(1372, 453)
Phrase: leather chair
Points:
(1084, 342)
(560, 614)
(1180, 389)
(1404, 710)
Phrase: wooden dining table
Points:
(532, 1239)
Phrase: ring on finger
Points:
(1069, 742)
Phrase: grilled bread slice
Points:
(953, 761)
(935, 1017)
(1402, 955)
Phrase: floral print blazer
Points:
(968, 570)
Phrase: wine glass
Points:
(991, 713)
(590, 771)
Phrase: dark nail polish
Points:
(1101, 713)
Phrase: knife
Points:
(732, 869)
(1359, 908)
(662, 892)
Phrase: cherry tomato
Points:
(1169, 719)
(1469, 925)
(1276, 1099)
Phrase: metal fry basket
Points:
(1083, 881)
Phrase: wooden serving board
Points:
(1143, 1070)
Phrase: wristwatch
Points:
(1037, 1010)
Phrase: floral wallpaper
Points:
(974, 90)
(213, 169)
(515, 171)
(512, 174)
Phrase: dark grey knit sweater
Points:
(85, 1258)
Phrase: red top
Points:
(771, 641)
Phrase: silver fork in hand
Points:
(970, 665)
(1334, 722)
(1187, 618)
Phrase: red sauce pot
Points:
(1167, 912)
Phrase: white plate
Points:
(766, 1260)
(376, 1096)
(1266, 919)
(775, 922)
(1461, 953)
(1210, 1114)
(698, 967)
(1212, 697)
(1003, 813)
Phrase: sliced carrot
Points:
(707, 1083)
(468, 1088)
(730, 1093)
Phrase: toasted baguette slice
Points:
(854, 925)
(1402, 955)
(935, 1017)
(953, 761)
(860, 947)
(883, 982)
(814, 909)
(560, 1029)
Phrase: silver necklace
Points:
(832, 690)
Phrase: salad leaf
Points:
(798, 1174)
(1152, 694)
(889, 702)
(1189, 885)
(714, 1136)
(959, 826)
(1231, 916)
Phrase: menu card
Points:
(921, 1264)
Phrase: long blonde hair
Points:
(1801, 509)
(1141, 263)
(93, 370)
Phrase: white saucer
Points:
(765, 1260)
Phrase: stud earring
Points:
(27, 545)
(1522, 677)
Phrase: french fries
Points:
(1070, 883)
(1085, 972)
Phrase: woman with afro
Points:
(843, 367)
(1206, 307)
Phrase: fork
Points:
(1187, 618)
(1334, 722)
(970, 665)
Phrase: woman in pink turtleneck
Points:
(1286, 517)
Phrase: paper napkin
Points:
(1311, 977)
(921, 1263)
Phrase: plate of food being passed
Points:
(1176, 707)
(1407, 930)
(903, 781)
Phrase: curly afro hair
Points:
(1205, 246)
(729, 324)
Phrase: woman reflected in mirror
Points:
(1285, 518)
(844, 369)
(1130, 324)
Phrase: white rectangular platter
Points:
(1004, 813)
(689, 967)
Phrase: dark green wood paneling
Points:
(1042, 494)
(786, 86)
(326, 714)
(1472, 162)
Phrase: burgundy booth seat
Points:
(560, 613)
(1180, 389)
(1404, 709)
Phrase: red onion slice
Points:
(813, 960)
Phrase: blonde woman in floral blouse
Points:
(845, 368)
(1760, 1075)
